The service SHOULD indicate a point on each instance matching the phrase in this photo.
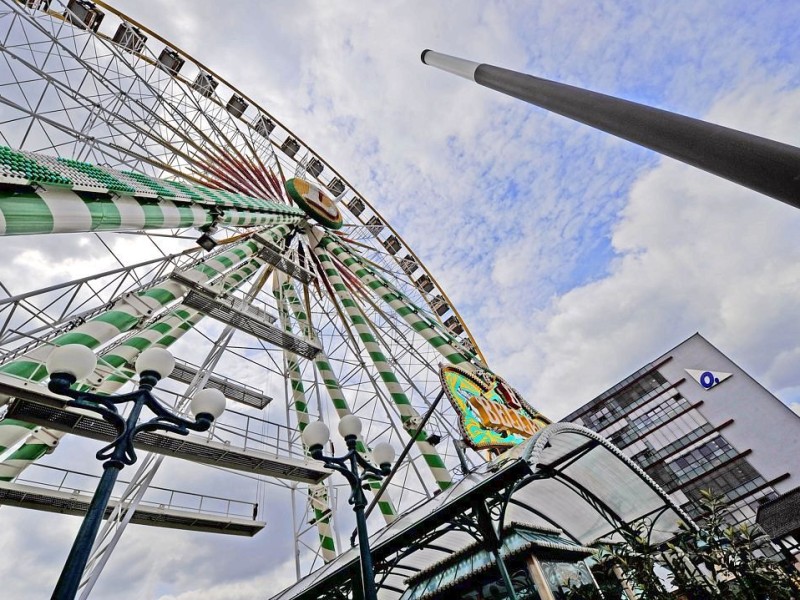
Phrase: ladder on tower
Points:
(249, 319)
(238, 392)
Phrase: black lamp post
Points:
(356, 470)
(68, 364)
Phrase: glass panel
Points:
(465, 568)
(604, 476)
(664, 527)
(494, 588)
(611, 480)
(563, 577)
(561, 505)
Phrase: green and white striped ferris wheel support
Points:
(28, 443)
(180, 319)
(55, 210)
(404, 308)
(331, 382)
(317, 494)
(45, 194)
(23, 443)
(408, 414)
(165, 331)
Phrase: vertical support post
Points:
(331, 381)
(70, 578)
(359, 503)
(626, 587)
(318, 493)
(71, 574)
(408, 414)
(398, 301)
(538, 576)
(494, 544)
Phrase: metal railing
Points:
(77, 482)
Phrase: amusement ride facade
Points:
(275, 282)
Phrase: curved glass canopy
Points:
(565, 477)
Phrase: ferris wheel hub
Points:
(314, 202)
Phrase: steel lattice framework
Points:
(296, 322)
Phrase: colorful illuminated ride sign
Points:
(493, 414)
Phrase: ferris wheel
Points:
(221, 235)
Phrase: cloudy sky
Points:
(574, 257)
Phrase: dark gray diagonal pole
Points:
(758, 163)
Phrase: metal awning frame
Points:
(462, 515)
(481, 513)
(532, 453)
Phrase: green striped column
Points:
(58, 210)
(31, 447)
(123, 316)
(164, 332)
(126, 313)
(20, 444)
(321, 506)
(317, 494)
(408, 414)
(129, 310)
(216, 265)
(243, 218)
(116, 370)
(292, 363)
(161, 334)
(397, 301)
(433, 323)
(385, 504)
(118, 362)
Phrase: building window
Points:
(636, 391)
(703, 458)
(636, 394)
(650, 455)
(697, 461)
(677, 429)
(733, 481)
(642, 424)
